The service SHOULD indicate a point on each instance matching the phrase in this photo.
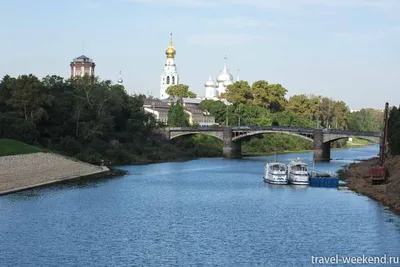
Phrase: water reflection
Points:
(81, 183)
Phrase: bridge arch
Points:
(174, 135)
(330, 139)
(253, 133)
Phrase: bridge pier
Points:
(230, 148)
(322, 151)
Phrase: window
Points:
(167, 79)
(173, 80)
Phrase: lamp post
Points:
(239, 116)
(226, 120)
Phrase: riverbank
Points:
(387, 193)
(21, 172)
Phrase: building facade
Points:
(170, 74)
(159, 109)
(82, 66)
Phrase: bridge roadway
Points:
(232, 136)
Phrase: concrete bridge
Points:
(232, 136)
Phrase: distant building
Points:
(170, 74)
(215, 88)
(159, 109)
(82, 66)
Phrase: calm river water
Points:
(206, 212)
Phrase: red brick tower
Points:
(82, 66)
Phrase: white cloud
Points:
(223, 39)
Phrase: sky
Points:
(344, 49)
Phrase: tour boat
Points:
(275, 173)
(298, 173)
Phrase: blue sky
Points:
(344, 49)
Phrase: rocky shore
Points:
(387, 193)
(20, 172)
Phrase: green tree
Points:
(238, 93)
(28, 97)
(340, 115)
(215, 108)
(180, 91)
(394, 131)
(177, 117)
(365, 120)
(271, 96)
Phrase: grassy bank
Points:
(357, 142)
(10, 147)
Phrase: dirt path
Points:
(31, 170)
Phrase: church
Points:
(215, 88)
(159, 107)
(212, 88)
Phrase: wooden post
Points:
(384, 137)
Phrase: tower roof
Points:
(209, 83)
(224, 75)
(120, 80)
(82, 57)
(170, 52)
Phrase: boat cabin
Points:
(299, 167)
(277, 167)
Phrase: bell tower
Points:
(170, 75)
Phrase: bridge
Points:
(232, 136)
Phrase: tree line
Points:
(95, 120)
(86, 118)
(264, 104)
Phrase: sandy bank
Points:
(21, 172)
(387, 193)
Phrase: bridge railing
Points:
(276, 128)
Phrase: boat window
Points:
(299, 168)
(279, 167)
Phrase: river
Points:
(205, 212)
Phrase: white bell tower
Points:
(170, 75)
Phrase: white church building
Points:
(215, 88)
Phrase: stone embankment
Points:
(26, 171)
(387, 193)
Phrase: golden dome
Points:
(170, 52)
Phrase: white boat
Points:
(275, 173)
(298, 173)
